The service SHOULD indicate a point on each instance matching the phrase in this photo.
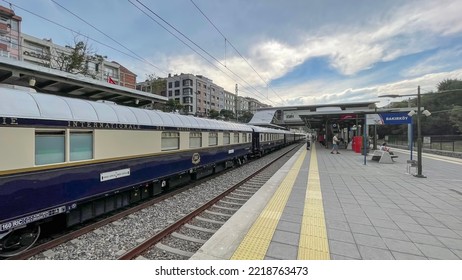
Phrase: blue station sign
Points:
(388, 118)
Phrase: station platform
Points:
(322, 206)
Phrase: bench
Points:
(383, 157)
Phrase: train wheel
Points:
(19, 240)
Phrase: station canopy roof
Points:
(314, 116)
(61, 83)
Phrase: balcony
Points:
(4, 28)
(187, 91)
(187, 100)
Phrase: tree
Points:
(172, 105)
(213, 114)
(444, 106)
(227, 114)
(449, 84)
(76, 60)
(246, 117)
(157, 85)
(455, 116)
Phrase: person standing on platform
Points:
(308, 141)
(335, 142)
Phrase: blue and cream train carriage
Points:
(77, 159)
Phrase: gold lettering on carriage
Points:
(80, 124)
(9, 121)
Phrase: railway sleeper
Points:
(206, 230)
(172, 250)
(243, 192)
(224, 208)
(235, 200)
(188, 238)
(209, 221)
(218, 214)
(239, 196)
(231, 203)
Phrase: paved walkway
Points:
(330, 206)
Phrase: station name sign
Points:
(388, 118)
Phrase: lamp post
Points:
(419, 129)
(419, 138)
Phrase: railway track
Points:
(185, 237)
(196, 230)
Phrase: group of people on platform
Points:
(336, 141)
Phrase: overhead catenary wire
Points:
(235, 49)
(195, 44)
(76, 32)
(107, 36)
(133, 55)
(136, 57)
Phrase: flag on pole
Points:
(110, 80)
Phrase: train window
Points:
(244, 137)
(262, 137)
(195, 139)
(213, 138)
(236, 137)
(226, 139)
(49, 147)
(170, 141)
(81, 145)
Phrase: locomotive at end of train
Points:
(72, 160)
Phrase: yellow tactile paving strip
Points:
(256, 242)
(313, 243)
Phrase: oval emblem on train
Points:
(196, 158)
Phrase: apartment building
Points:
(44, 52)
(10, 30)
(229, 101)
(254, 104)
(198, 94)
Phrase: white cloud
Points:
(324, 93)
(377, 37)
(441, 60)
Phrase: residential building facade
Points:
(44, 52)
(157, 86)
(254, 105)
(10, 31)
(198, 94)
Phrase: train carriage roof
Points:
(268, 130)
(21, 102)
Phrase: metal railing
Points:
(451, 143)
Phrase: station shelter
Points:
(351, 121)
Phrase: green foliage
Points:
(75, 61)
(214, 114)
(227, 114)
(158, 85)
(444, 106)
(449, 84)
(245, 117)
(455, 116)
(172, 105)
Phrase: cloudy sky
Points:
(282, 52)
